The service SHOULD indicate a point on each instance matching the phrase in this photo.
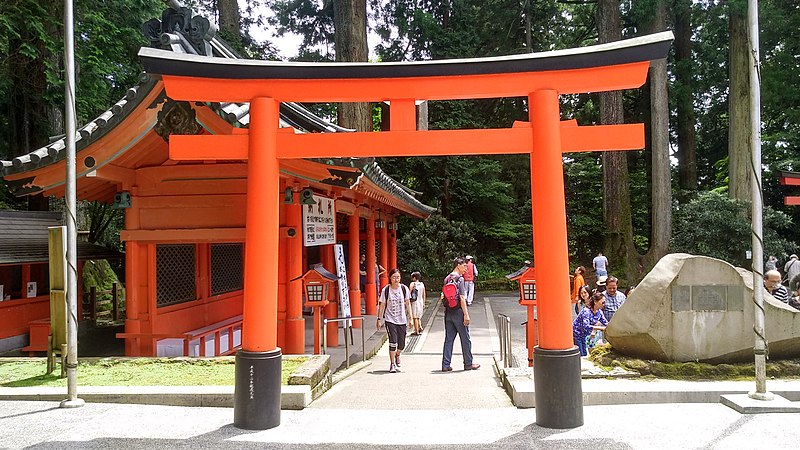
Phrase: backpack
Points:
(414, 293)
(386, 292)
(450, 292)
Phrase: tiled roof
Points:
(23, 238)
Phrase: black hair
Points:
(416, 276)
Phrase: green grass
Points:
(133, 372)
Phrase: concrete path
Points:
(420, 384)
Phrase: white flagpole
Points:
(760, 348)
(72, 400)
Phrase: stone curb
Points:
(292, 397)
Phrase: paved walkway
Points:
(419, 407)
(420, 384)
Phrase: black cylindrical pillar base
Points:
(257, 393)
(557, 381)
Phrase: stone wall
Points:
(696, 308)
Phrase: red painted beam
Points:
(515, 140)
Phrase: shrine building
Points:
(184, 230)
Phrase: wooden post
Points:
(114, 302)
(93, 298)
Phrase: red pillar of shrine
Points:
(392, 246)
(283, 281)
(557, 366)
(385, 254)
(257, 392)
(332, 310)
(352, 268)
(371, 296)
(295, 323)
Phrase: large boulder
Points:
(696, 308)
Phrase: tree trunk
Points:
(739, 106)
(616, 199)
(28, 117)
(230, 21)
(687, 157)
(350, 22)
(661, 184)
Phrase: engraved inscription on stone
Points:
(681, 300)
(735, 298)
(708, 298)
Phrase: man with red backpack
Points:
(456, 317)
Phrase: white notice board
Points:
(344, 289)
(319, 222)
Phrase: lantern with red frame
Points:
(526, 278)
(317, 283)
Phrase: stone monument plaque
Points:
(709, 298)
(681, 298)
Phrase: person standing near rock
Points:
(614, 298)
(600, 264)
(772, 283)
(792, 268)
(771, 264)
(589, 321)
(577, 284)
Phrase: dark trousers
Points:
(454, 324)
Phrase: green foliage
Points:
(429, 246)
(717, 226)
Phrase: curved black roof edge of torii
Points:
(640, 49)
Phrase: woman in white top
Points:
(418, 305)
(394, 304)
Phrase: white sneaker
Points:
(392, 368)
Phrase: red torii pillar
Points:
(541, 77)
(353, 275)
(371, 296)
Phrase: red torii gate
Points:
(541, 77)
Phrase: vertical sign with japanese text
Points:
(319, 222)
(341, 272)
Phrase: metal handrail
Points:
(346, 341)
(504, 331)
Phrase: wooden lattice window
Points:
(227, 268)
(176, 281)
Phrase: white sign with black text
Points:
(344, 289)
(319, 222)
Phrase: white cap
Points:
(468, 257)
(601, 280)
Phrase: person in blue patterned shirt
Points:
(614, 298)
(589, 320)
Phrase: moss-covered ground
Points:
(605, 356)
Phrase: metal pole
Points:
(363, 344)
(760, 348)
(324, 336)
(72, 400)
(346, 348)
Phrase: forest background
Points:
(687, 191)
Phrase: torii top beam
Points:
(604, 67)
